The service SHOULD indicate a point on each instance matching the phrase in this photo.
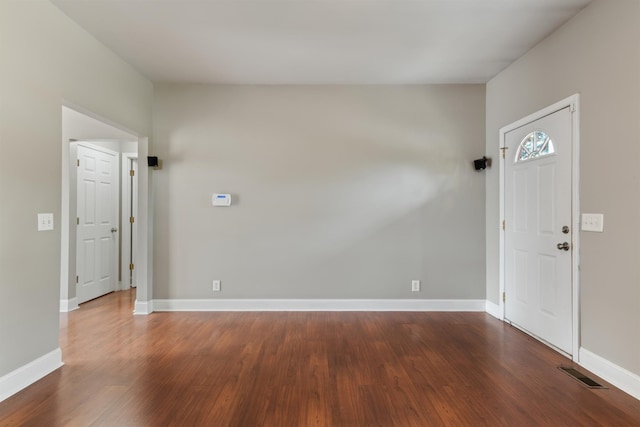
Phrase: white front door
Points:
(97, 236)
(538, 206)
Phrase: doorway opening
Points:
(83, 129)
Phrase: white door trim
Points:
(125, 253)
(144, 250)
(574, 103)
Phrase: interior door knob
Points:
(114, 229)
(565, 246)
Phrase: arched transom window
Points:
(536, 144)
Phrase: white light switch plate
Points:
(45, 221)
(593, 222)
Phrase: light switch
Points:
(593, 222)
(45, 221)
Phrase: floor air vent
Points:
(574, 373)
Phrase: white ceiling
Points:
(320, 41)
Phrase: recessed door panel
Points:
(520, 208)
(88, 250)
(548, 285)
(520, 275)
(546, 199)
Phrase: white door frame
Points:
(574, 103)
(125, 253)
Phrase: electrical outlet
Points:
(415, 286)
(216, 286)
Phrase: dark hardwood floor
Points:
(305, 369)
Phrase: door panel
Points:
(537, 192)
(546, 205)
(520, 275)
(548, 285)
(97, 244)
(521, 208)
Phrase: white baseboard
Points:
(625, 380)
(67, 305)
(26, 375)
(316, 305)
(143, 308)
(493, 309)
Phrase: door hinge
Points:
(77, 279)
(78, 162)
(131, 266)
(504, 297)
(573, 108)
(504, 151)
(132, 219)
(132, 172)
(78, 220)
(504, 225)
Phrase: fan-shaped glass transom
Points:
(536, 144)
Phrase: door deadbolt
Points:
(565, 229)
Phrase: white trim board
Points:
(28, 374)
(625, 380)
(142, 308)
(493, 309)
(67, 305)
(126, 199)
(316, 305)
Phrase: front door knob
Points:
(565, 246)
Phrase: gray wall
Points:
(597, 54)
(338, 192)
(46, 59)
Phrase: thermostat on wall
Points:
(221, 200)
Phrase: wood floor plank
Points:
(305, 369)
